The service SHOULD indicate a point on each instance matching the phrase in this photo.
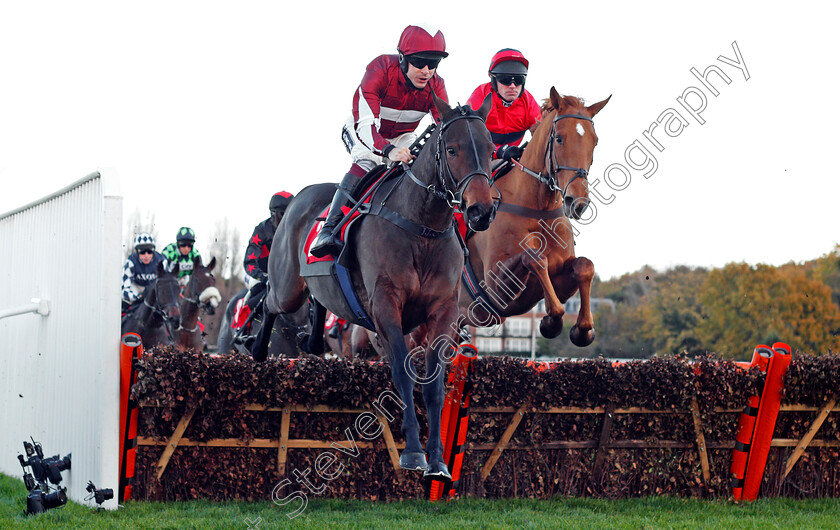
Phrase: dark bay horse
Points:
(404, 274)
(284, 337)
(199, 294)
(528, 253)
(159, 315)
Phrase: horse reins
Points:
(551, 160)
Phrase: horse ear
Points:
(555, 98)
(596, 107)
(161, 268)
(176, 269)
(211, 264)
(196, 262)
(485, 107)
(442, 106)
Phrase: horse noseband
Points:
(554, 167)
(454, 198)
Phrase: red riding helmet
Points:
(422, 39)
(508, 61)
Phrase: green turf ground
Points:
(456, 515)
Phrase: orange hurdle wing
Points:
(765, 423)
(746, 424)
(131, 349)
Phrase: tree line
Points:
(726, 311)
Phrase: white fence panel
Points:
(59, 372)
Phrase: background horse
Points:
(354, 341)
(529, 251)
(158, 315)
(199, 294)
(284, 336)
(404, 275)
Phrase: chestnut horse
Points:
(528, 253)
(405, 262)
(199, 294)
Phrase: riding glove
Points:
(509, 152)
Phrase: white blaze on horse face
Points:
(579, 129)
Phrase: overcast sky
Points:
(205, 109)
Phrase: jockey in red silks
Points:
(515, 110)
(396, 92)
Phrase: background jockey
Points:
(259, 246)
(182, 252)
(396, 92)
(140, 270)
(514, 109)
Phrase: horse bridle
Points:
(443, 191)
(162, 311)
(551, 160)
(192, 301)
(196, 293)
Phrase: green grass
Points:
(650, 512)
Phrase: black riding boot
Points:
(328, 243)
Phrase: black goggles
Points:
(145, 251)
(506, 80)
(419, 61)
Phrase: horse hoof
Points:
(550, 327)
(437, 471)
(413, 461)
(581, 338)
(259, 354)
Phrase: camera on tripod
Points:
(40, 499)
(44, 468)
(99, 496)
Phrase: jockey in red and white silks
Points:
(387, 108)
(396, 92)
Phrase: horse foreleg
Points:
(583, 332)
(259, 350)
(358, 341)
(441, 348)
(315, 343)
(551, 324)
(387, 319)
(345, 341)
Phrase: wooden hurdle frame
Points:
(283, 443)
